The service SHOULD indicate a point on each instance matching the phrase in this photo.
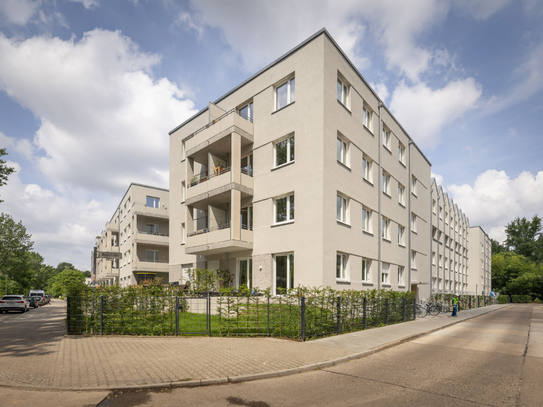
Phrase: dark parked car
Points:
(33, 301)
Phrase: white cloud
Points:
(424, 111)
(495, 199)
(381, 90)
(188, 22)
(19, 11)
(439, 179)
(88, 4)
(480, 9)
(104, 119)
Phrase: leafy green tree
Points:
(497, 247)
(513, 274)
(15, 244)
(63, 266)
(69, 281)
(524, 237)
(5, 171)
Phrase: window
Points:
(343, 92)
(385, 269)
(386, 183)
(414, 222)
(401, 230)
(401, 194)
(246, 218)
(342, 150)
(284, 94)
(434, 205)
(366, 220)
(386, 137)
(401, 153)
(385, 232)
(366, 270)
(414, 185)
(434, 258)
(183, 233)
(152, 256)
(152, 229)
(367, 165)
(440, 212)
(284, 151)
(183, 191)
(152, 202)
(183, 151)
(342, 204)
(413, 259)
(247, 112)
(367, 118)
(400, 276)
(284, 272)
(284, 209)
(341, 267)
(247, 162)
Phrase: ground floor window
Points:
(284, 272)
(341, 267)
(245, 274)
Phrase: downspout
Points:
(437, 249)
(410, 183)
(380, 191)
(431, 239)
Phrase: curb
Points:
(256, 376)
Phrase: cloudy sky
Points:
(90, 88)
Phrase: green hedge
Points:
(521, 299)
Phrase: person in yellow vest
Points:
(455, 302)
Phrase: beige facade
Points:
(301, 176)
(139, 230)
(461, 255)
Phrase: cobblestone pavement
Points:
(35, 353)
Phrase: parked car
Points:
(14, 303)
(33, 302)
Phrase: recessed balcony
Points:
(152, 266)
(152, 238)
(203, 186)
(218, 239)
(141, 209)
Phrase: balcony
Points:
(218, 239)
(112, 227)
(142, 209)
(221, 127)
(152, 238)
(204, 186)
(152, 266)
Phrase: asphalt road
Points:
(492, 360)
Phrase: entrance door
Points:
(245, 273)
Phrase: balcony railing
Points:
(153, 233)
(220, 118)
(207, 230)
(203, 177)
(247, 227)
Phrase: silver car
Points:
(14, 303)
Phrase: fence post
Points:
(68, 328)
(176, 315)
(338, 315)
(268, 315)
(403, 309)
(364, 318)
(303, 318)
(209, 313)
(101, 315)
(470, 302)
(414, 308)
(386, 311)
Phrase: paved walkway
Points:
(34, 353)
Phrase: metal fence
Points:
(256, 315)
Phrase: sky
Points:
(89, 90)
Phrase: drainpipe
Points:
(380, 191)
(410, 186)
(437, 248)
(431, 239)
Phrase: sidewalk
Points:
(35, 354)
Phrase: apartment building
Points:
(461, 255)
(139, 229)
(301, 176)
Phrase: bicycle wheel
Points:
(435, 310)
(420, 311)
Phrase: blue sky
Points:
(90, 88)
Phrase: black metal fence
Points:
(296, 317)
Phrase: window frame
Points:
(414, 185)
(367, 217)
(386, 185)
(401, 282)
(290, 150)
(385, 273)
(155, 200)
(287, 208)
(250, 109)
(345, 149)
(386, 136)
(290, 271)
(343, 209)
(401, 153)
(366, 270)
(291, 94)
(342, 266)
(367, 169)
(367, 118)
(344, 97)
(401, 194)
(413, 260)
(413, 222)
(385, 228)
(401, 234)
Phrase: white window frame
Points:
(413, 222)
(367, 119)
(434, 207)
(156, 201)
(291, 148)
(386, 182)
(413, 259)
(401, 194)
(342, 266)
(367, 169)
(401, 233)
(291, 92)
(401, 153)
(249, 107)
(289, 197)
(155, 256)
(183, 233)
(342, 149)
(386, 136)
(342, 208)
(366, 270)
(183, 192)
(385, 273)
(401, 283)
(385, 228)
(343, 92)
(414, 185)
(367, 215)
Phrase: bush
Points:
(503, 299)
(521, 299)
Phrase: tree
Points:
(69, 281)
(4, 169)
(497, 247)
(525, 237)
(15, 244)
